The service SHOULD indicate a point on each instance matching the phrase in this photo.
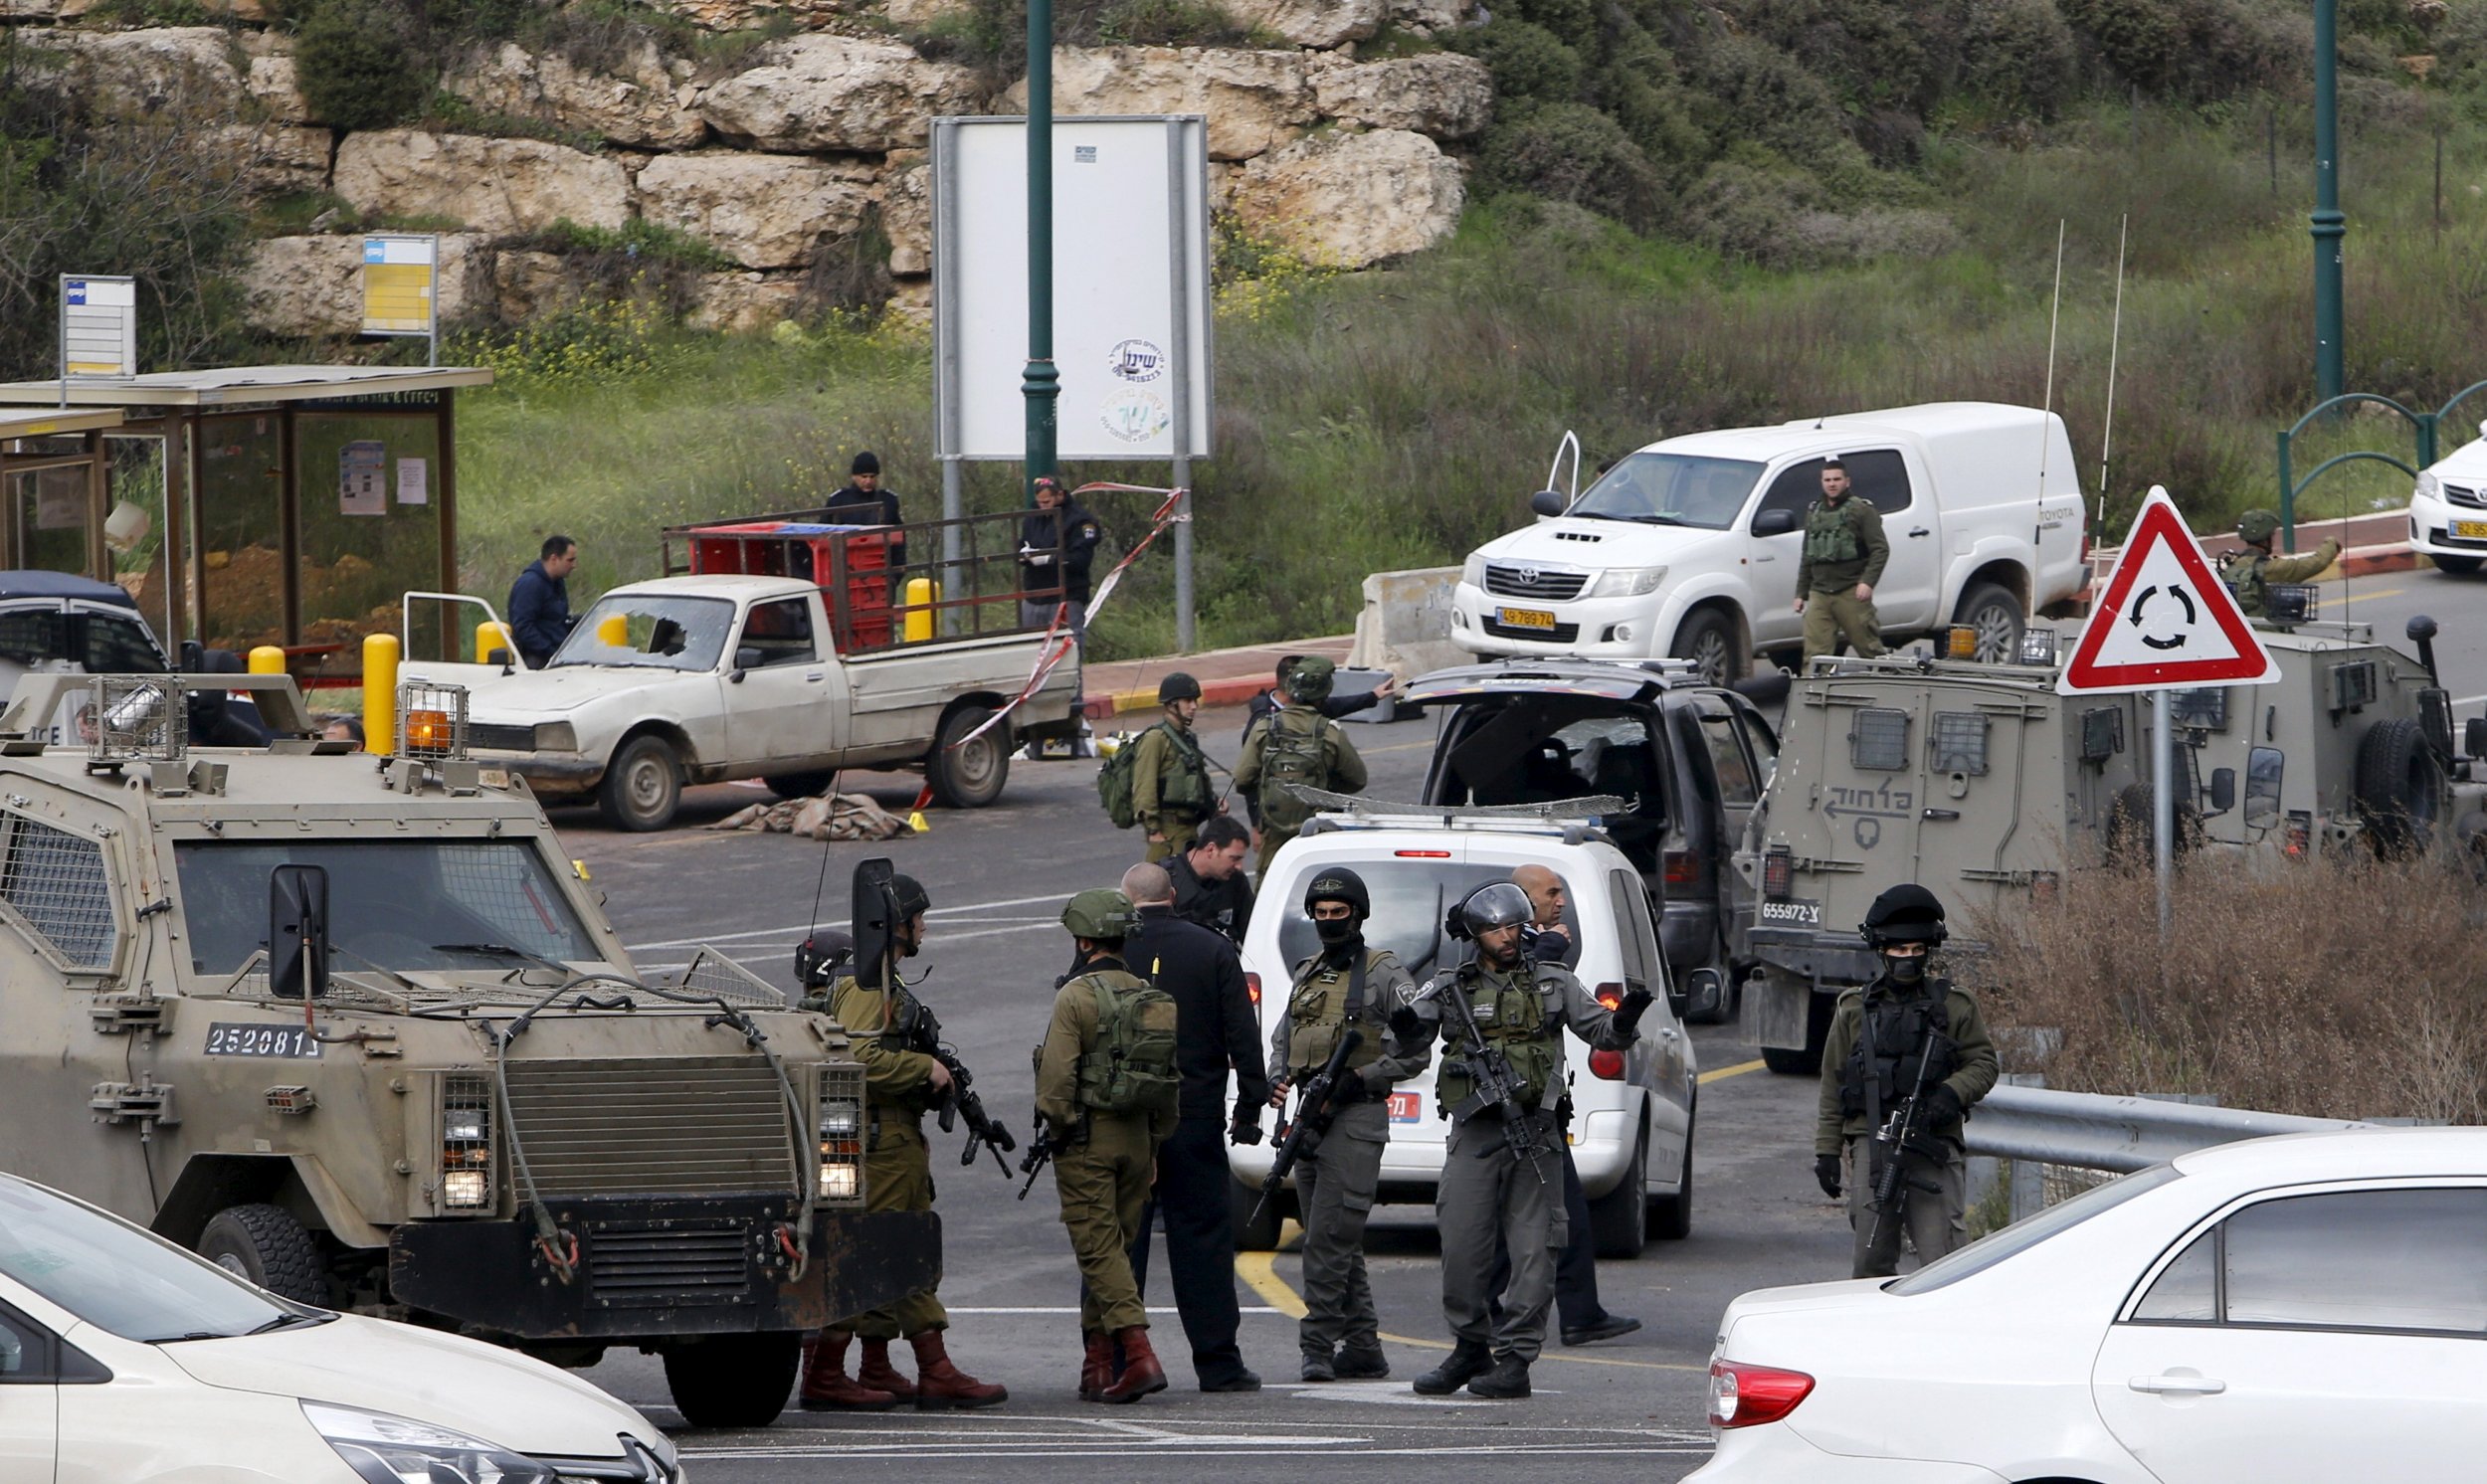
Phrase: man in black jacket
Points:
(539, 602)
(1212, 887)
(1214, 1030)
(865, 503)
(1056, 544)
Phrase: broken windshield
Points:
(662, 631)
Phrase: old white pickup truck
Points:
(701, 679)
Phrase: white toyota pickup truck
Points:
(703, 678)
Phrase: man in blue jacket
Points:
(539, 602)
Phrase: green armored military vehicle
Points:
(355, 1029)
(1981, 783)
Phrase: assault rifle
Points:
(1492, 1084)
(961, 1103)
(1041, 1152)
(1313, 1115)
(1898, 1134)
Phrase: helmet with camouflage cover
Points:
(1102, 914)
(2257, 525)
(1310, 680)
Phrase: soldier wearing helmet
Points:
(1296, 745)
(1907, 1029)
(1169, 788)
(1109, 1089)
(2250, 573)
(1490, 1197)
(1348, 984)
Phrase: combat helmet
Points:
(1906, 913)
(1101, 914)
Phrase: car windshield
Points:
(2020, 1237)
(659, 631)
(1410, 896)
(1673, 490)
(118, 1278)
(398, 904)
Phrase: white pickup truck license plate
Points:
(1525, 618)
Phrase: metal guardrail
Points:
(2120, 1134)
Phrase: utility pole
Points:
(1043, 382)
(2329, 225)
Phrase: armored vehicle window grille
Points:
(1879, 739)
(2353, 684)
(55, 882)
(2102, 733)
(712, 973)
(2206, 707)
(1960, 743)
(659, 1126)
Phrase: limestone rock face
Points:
(838, 93)
(1430, 14)
(1313, 23)
(746, 303)
(639, 104)
(1352, 200)
(146, 75)
(498, 186)
(276, 160)
(272, 85)
(1254, 101)
(916, 15)
(532, 286)
(1442, 95)
(907, 219)
(761, 210)
(312, 285)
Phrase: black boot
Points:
(1320, 1367)
(1507, 1382)
(1361, 1365)
(1466, 1361)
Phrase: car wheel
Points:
(266, 1246)
(1255, 1234)
(1616, 1224)
(2133, 829)
(1670, 1216)
(2400, 786)
(1708, 639)
(801, 785)
(2458, 566)
(1997, 618)
(732, 1380)
(968, 774)
(643, 785)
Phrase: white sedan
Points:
(125, 1360)
(2308, 1307)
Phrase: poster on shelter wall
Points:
(362, 478)
(412, 481)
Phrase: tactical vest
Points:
(1830, 533)
(1512, 1015)
(2242, 572)
(1291, 751)
(1131, 1066)
(1185, 789)
(904, 1028)
(1882, 1067)
(1318, 1006)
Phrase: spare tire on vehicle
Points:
(2132, 827)
(2399, 787)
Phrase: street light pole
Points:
(1043, 383)
(2329, 225)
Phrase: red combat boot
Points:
(825, 1384)
(877, 1373)
(1096, 1370)
(1141, 1373)
(938, 1383)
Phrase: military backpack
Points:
(1292, 751)
(1190, 790)
(1130, 1067)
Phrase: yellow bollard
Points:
(922, 594)
(493, 635)
(266, 660)
(613, 630)
(380, 656)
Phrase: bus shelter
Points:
(55, 484)
(284, 505)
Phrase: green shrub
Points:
(1572, 22)
(360, 67)
(1530, 63)
(2017, 53)
(1571, 153)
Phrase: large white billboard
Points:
(1131, 316)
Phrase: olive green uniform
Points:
(1844, 546)
(2250, 573)
(1296, 744)
(1169, 788)
(1489, 1200)
(1936, 1220)
(1335, 1181)
(1103, 1175)
(897, 1163)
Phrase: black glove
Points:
(1348, 1088)
(1943, 1106)
(1628, 1014)
(1246, 1129)
(1827, 1174)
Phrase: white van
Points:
(1689, 547)
(1632, 1112)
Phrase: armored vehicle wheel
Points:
(2459, 566)
(642, 787)
(732, 1380)
(1618, 1221)
(266, 1246)
(1790, 1061)
(800, 784)
(1262, 1235)
(968, 774)
(2130, 826)
(1670, 1216)
(2400, 786)
(1996, 617)
(1708, 639)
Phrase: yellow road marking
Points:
(1724, 1072)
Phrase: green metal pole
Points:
(1043, 384)
(2288, 498)
(2329, 225)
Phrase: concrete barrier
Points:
(1405, 626)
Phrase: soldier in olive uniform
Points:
(1170, 790)
(1876, 1053)
(1107, 1089)
(1346, 984)
(1296, 744)
(900, 1084)
(1844, 553)
(1489, 1195)
(2250, 573)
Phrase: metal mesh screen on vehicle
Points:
(713, 972)
(1879, 739)
(55, 881)
(2205, 706)
(2102, 734)
(1960, 743)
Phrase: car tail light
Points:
(1606, 1065)
(1749, 1396)
(1252, 985)
(1779, 872)
(1422, 855)
(2044, 885)
(1609, 995)
(1683, 867)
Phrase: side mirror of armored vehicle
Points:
(1548, 502)
(2263, 765)
(2222, 789)
(2474, 737)
(1777, 523)
(2422, 631)
(298, 932)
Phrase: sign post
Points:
(401, 288)
(2164, 622)
(99, 329)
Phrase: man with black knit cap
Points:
(865, 503)
(1346, 986)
